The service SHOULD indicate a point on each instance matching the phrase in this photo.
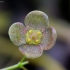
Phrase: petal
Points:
(17, 33)
(49, 38)
(31, 51)
(37, 20)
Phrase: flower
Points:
(35, 36)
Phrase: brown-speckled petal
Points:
(17, 33)
(31, 51)
(49, 38)
(37, 20)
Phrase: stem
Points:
(19, 65)
(15, 66)
(24, 68)
(22, 59)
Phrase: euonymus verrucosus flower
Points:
(35, 36)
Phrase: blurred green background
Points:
(58, 11)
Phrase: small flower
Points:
(35, 36)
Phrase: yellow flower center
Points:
(33, 36)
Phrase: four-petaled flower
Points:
(35, 36)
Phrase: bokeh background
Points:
(58, 11)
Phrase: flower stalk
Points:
(18, 65)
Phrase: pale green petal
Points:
(31, 51)
(17, 33)
(37, 20)
(49, 38)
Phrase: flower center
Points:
(33, 36)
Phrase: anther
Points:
(39, 33)
(28, 40)
(30, 31)
(37, 41)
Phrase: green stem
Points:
(22, 59)
(15, 66)
(24, 68)
(19, 65)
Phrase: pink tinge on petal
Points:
(53, 38)
(31, 51)
(49, 38)
(26, 29)
(37, 20)
(17, 34)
